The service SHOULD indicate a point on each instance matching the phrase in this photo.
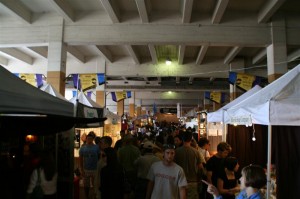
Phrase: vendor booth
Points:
(278, 104)
(216, 119)
(25, 109)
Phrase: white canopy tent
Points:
(217, 116)
(48, 88)
(276, 104)
(220, 115)
(86, 107)
(83, 99)
(111, 117)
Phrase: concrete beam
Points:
(201, 54)
(181, 52)
(210, 68)
(161, 34)
(17, 54)
(231, 55)
(76, 54)
(112, 10)
(133, 54)
(40, 51)
(187, 8)
(105, 53)
(153, 53)
(64, 9)
(142, 8)
(17, 9)
(219, 11)
(268, 9)
(261, 55)
(294, 55)
(88, 33)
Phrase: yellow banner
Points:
(120, 95)
(216, 96)
(29, 78)
(88, 81)
(245, 81)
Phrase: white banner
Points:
(241, 120)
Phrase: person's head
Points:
(223, 149)
(105, 142)
(178, 141)
(122, 134)
(194, 144)
(169, 153)
(187, 136)
(253, 176)
(93, 134)
(231, 163)
(97, 140)
(111, 156)
(148, 146)
(89, 139)
(204, 143)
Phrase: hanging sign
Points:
(241, 120)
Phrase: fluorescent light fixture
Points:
(168, 61)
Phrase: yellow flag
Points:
(29, 78)
(244, 81)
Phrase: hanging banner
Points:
(35, 80)
(89, 81)
(101, 78)
(217, 97)
(120, 95)
(244, 81)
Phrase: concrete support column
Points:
(206, 104)
(178, 110)
(144, 111)
(139, 108)
(57, 56)
(277, 52)
(232, 92)
(120, 107)
(131, 105)
(100, 98)
(100, 89)
(237, 65)
(216, 106)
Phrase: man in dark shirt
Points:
(215, 163)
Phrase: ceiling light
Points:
(168, 61)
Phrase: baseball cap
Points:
(148, 145)
(169, 146)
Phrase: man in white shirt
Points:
(166, 178)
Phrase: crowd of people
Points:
(171, 164)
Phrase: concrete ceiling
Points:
(205, 39)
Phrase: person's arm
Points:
(149, 189)
(81, 165)
(207, 155)
(209, 175)
(212, 190)
(182, 192)
(220, 185)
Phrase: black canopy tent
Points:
(26, 109)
